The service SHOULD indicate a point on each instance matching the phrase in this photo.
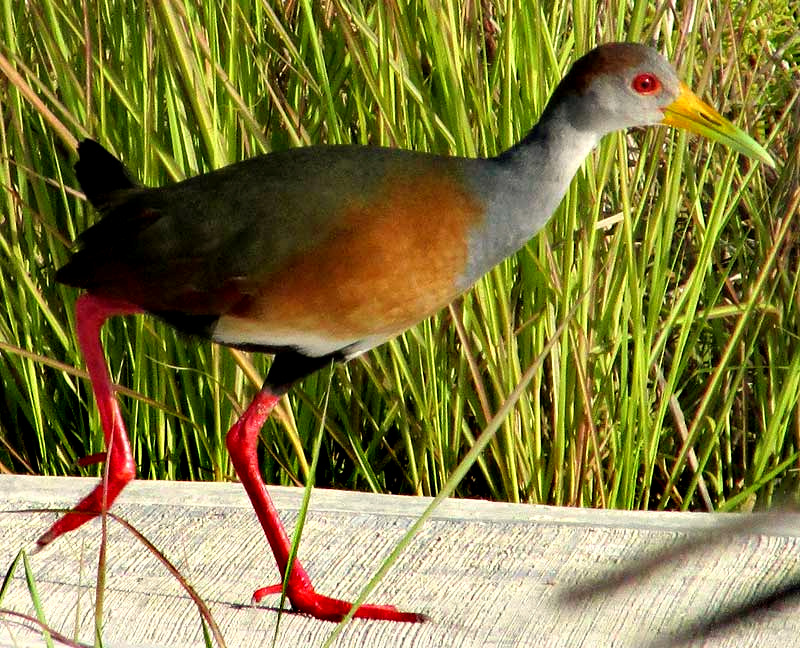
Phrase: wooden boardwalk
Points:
(488, 575)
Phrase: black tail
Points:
(112, 190)
(101, 174)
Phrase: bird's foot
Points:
(99, 500)
(306, 601)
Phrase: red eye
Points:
(646, 83)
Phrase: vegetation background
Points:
(659, 312)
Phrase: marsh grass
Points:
(665, 290)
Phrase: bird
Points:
(317, 254)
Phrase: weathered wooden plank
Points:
(487, 574)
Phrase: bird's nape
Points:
(619, 85)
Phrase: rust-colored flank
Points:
(393, 259)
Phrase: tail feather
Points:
(97, 258)
(101, 175)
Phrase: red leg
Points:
(241, 442)
(91, 312)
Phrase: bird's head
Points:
(620, 85)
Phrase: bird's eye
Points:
(646, 84)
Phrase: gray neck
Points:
(523, 186)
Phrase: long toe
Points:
(66, 522)
(263, 592)
(307, 601)
(331, 609)
(101, 498)
(91, 460)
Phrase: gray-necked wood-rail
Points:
(321, 253)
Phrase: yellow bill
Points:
(690, 112)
